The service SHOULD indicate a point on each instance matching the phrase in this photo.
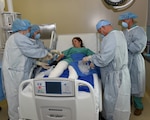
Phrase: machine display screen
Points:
(53, 87)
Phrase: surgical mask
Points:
(27, 34)
(124, 24)
(37, 36)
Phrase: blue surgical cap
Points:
(127, 15)
(34, 28)
(19, 25)
(102, 23)
(27, 22)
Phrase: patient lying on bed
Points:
(72, 59)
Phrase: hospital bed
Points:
(61, 98)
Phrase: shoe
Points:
(103, 118)
(100, 116)
(0, 108)
(138, 112)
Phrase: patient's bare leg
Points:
(59, 69)
(72, 73)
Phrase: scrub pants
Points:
(138, 102)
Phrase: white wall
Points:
(148, 21)
(75, 16)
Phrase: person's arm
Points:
(106, 54)
(89, 52)
(61, 56)
(138, 41)
(28, 48)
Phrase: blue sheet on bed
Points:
(83, 70)
(87, 78)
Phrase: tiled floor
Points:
(3, 112)
(145, 114)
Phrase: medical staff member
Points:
(113, 60)
(136, 41)
(35, 35)
(18, 59)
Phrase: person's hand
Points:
(61, 56)
(43, 65)
(86, 59)
(92, 65)
(50, 56)
(55, 52)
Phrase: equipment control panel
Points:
(54, 87)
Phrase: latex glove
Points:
(55, 52)
(92, 65)
(43, 65)
(86, 59)
(49, 56)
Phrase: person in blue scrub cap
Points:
(136, 41)
(18, 58)
(102, 23)
(20, 25)
(27, 22)
(35, 36)
(125, 17)
(113, 61)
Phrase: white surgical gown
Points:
(113, 60)
(136, 40)
(17, 62)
